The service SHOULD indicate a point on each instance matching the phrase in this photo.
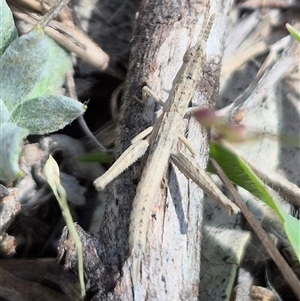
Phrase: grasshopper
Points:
(162, 137)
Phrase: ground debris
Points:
(98, 279)
(23, 279)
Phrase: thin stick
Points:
(84, 127)
(285, 269)
(52, 12)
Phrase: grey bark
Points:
(171, 266)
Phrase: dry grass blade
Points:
(52, 12)
(268, 63)
(245, 43)
(51, 174)
(288, 59)
(286, 4)
(68, 36)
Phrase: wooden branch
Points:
(163, 33)
(171, 268)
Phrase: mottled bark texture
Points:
(171, 265)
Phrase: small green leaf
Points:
(47, 113)
(242, 175)
(11, 141)
(293, 32)
(21, 66)
(8, 31)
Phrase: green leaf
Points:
(11, 141)
(238, 171)
(21, 66)
(54, 70)
(47, 113)
(292, 230)
(8, 31)
(293, 32)
(96, 157)
(241, 174)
